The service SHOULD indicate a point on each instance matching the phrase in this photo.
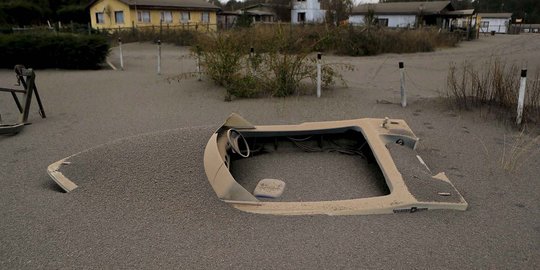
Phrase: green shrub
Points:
(49, 50)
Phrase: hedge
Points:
(51, 50)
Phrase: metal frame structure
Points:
(26, 78)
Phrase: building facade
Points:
(110, 14)
(498, 22)
(402, 14)
(307, 11)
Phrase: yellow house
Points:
(142, 13)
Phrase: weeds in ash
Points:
(495, 85)
(283, 65)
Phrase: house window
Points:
(185, 17)
(119, 17)
(99, 18)
(301, 17)
(382, 22)
(166, 16)
(205, 17)
(143, 16)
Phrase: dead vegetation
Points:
(522, 146)
(495, 85)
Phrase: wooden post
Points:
(402, 85)
(521, 97)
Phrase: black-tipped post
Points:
(159, 42)
(119, 40)
(252, 50)
(401, 65)
(319, 56)
(521, 96)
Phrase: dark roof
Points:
(495, 15)
(427, 8)
(188, 4)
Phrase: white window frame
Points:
(141, 18)
(100, 18)
(166, 16)
(116, 17)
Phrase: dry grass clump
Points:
(495, 85)
(523, 146)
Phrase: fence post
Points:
(402, 85)
(159, 57)
(521, 97)
(319, 74)
(89, 29)
(121, 53)
(199, 63)
(251, 55)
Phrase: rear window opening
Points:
(330, 165)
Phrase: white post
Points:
(521, 98)
(402, 87)
(251, 55)
(319, 74)
(159, 57)
(199, 65)
(121, 53)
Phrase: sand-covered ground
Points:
(144, 201)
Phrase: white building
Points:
(498, 22)
(307, 11)
(402, 14)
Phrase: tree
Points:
(337, 10)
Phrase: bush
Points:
(372, 40)
(49, 50)
(282, 66)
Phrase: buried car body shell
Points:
(378, 133)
